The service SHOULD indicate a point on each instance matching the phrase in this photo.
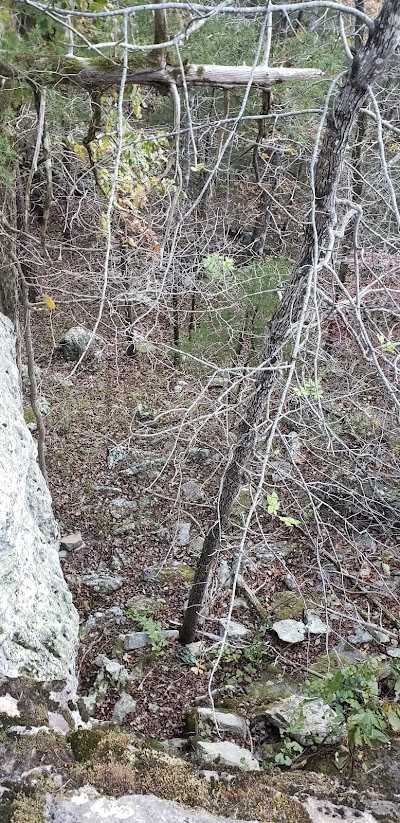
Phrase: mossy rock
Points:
(170, 572)
(288, 606)
(28, 808)
(99, 744)
(327, 664)
(29, 415)
(138, 769)
(261, 694)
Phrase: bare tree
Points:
(368, 64)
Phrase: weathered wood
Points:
(92, 73)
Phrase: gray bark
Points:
(88, 74)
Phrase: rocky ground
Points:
(134, 460)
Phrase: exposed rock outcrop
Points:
(38, 623)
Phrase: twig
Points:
(32, 376)
(252, 598)
(371, 597)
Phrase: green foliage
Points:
(224, 40)
(304, 49)
(241, 665)
(357, 696)
(243, 300)
(311, 389)
(217, 266)
(153, 629)
(387, 345)
(289, 751)
(8, 156)
(274, 505)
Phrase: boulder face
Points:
(38, 623)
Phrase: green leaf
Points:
(273, 503)
(289, 521)
(393, 719)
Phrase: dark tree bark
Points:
(8, 274)
(368, 64)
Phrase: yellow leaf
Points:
(49, 302)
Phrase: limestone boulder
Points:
(77, 340)
(307, 721)
(39, 624)
(89, 807)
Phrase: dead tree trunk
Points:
(367, 65)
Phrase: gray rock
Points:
(69, 542)
(153, 708)
(86, 806)
(44, 405)
(365, 541)
(125, 706)
(180, 386)
(38, 620)
(102, 582)
(174, 745)
(307, 721)
(117, 455)
(195, 547)
(192, 491)
(291, 631)
(144, 412)
(142, 467)
(110, 672)
(393, 652)
(381, 636)
(121, 507)
(58, 723)
(198, 455)
(225, 721)
(314, 624)
(25, 373)
(144, 604)
(236, 631)
(75, 342)
(9, 706)
(323, 811)
(107, 490)
(139, 640)
(360, 635)
(119, 560)
(228, 754)
(183, 534)
(225, 576)
(290, 582)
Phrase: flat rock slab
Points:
(291, 631)
(81, 808)
(322, 811)
(139, 640)
(236, 631)
(225, 721)
(227, 754)
(102, 582)
(71, 541)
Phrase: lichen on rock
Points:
(39, 622)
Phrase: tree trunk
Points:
(89, 74)
(368, 64)
(8, 274)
